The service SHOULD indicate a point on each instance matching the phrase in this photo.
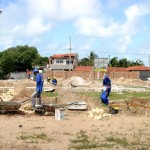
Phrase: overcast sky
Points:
(112, 28)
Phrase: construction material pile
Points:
(75, 81)
(98, 114)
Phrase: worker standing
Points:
(107, 84)
(28, 73)
(39, 87)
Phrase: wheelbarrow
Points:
(9, 106)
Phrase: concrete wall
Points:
(83, 74)
(144, 75)
(19, 75)
(93, 75)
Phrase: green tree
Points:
(114, 62)
(41, 61)
(89, 61)
(92, 56)
(17, 59)
(137, 63)
(124, 63)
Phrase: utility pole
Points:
(149, 60)
(70, 54)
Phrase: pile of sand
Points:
(8, 95)
(133, 82)
(76, 80)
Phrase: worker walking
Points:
(39, 87)
(107, 83)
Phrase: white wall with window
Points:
(59, 61)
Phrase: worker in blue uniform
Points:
(107, 83)
(39, 87)
(54, 81)
(104, 95)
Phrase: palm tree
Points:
(89, 61)
(114, 62)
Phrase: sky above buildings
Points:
(110, 28)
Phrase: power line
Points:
(98, 51)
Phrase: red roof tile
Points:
(83, 68)
(63, 55)
(138, 68)
(117, 69)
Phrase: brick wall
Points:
(126, 75)
(93, 75)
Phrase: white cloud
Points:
(136, 11)
(6, 42)
(42, 8)
(123, 43)
(105, 28)
(113, 4)
(95, 27)
(36, 27)
(17, 28)
(70, 9)
(63, 9)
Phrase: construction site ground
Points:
(128, 129)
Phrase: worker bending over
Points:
(104, 95)
(54, 81)
(107, 83)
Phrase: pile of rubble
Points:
(98, 114)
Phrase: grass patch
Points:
(120, 141)
(131, 145)
(50, 94)
(83, 141)
(116, 96)
(34, 138)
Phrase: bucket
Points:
(113, 110)
(59, 113)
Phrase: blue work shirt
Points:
(106, 81)
(54, 81)
(39, 83)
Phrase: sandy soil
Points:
(17, 131)
(26, 130)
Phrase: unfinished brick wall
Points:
(126, 75)
(93, 75)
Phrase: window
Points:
(59, 61)
(69, 61)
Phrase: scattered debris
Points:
(98, 114)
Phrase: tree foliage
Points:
(17, 59)
(41, 61)
(89, 61)
(114, 62)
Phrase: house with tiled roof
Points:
(144, 72)
(63, 61)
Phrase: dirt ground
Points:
(26, 130)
